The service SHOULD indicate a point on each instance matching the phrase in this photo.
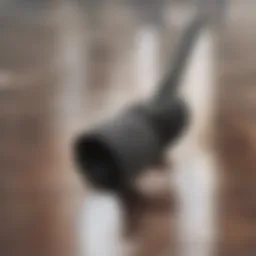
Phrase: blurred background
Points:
(66, 65)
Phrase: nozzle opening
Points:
(97, 162)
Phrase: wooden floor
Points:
(40, 190)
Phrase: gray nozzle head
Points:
(112, 155)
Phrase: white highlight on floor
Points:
(147, 52)
(101, 225)
(193, 162)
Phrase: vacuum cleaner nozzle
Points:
(112, 155)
